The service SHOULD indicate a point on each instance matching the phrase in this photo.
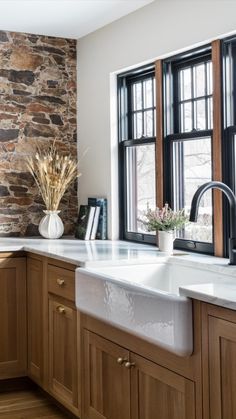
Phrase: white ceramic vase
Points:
(51, 225)
(166, 241)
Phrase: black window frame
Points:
(125, 135)
(229, 129)
(172, 134)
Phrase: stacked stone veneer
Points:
(37, 103)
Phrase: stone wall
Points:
(37, 103)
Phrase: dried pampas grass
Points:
(53, 173)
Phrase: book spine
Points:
(90, 223)
(81, 226)
(95, 223)
(102, 224)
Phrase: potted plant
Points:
(165, 221)
(53, 172)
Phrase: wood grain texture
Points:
(145, 391)
(217, 147)
(79, 363)
(4, 255)
(63, 373)
(61, 282)
(35, 306)
(13, 338)
(158, 374)
(106, 383)
(159, 393)
(28, 405)
(159, 135)
(219, 362)
(205, 360)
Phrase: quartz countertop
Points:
(83, 253)
(222, 294)
(91, 253)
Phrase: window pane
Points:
(185, 84)
(192, 168)
(154, 91)
(138, 125)
(200, 114)
(209, 78)
(148, 93)
(140, 173)
(186, 117)
(199, 80)
(210, 113)
(148, 123)
(137, 96)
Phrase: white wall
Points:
(154, 31)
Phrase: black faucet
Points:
(232, 203)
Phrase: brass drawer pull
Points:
(61, 310)
(60, 282)
(129, 365)
(121, 361)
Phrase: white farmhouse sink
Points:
(144, 299)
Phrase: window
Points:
(188, 144)
(137, 152)
(229, 133)
(229, 54)
(192, 146)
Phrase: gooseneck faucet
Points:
(232, 203)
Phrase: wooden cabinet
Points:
(158, 393)
(61, 282)
(63, 370)
(106, 381)
(13, 348)
(120, 384)
(219, 368)
(36, 332)
(222, 368)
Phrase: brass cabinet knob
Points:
(60, 282)
(61, 310)
(121, 361)
(129, 365)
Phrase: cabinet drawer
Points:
(61, 282)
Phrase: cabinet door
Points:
(158, 393)
(222, 368)
(35, 319)
(106, 380)
(13, 351)
(63, 371)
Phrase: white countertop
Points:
(83, 253)
(221, 291)
(221, 294)
(90, 253)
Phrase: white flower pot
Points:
(166, 241)
(51, 225)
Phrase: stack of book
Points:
(92, 220)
